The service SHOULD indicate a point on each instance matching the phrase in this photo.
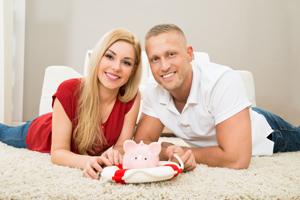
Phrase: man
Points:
(206, 105)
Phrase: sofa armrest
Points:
(54, 76)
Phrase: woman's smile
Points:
(112, 77)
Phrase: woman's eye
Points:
(108, 56)
(127, 63)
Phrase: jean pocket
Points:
(281, 124)
(286, 140)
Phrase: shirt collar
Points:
(164, 96)
(194, 93)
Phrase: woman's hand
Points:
(187, 157)
(114, 156)
(95, 165)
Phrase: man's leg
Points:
(286, 137)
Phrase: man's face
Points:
(169, 59)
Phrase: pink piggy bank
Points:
(138, 156)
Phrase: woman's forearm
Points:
(67, 158)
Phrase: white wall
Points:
(18, 60)
(12, 35)
(1, 63)
(259, 36)
(6, 41)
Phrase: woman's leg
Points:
(286, 137)
(14, 136)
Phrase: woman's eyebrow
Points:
(111, 51)
(116, 54)
(128, 58)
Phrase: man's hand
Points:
(187, 157)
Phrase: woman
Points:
(90, 114)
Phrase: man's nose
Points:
(164, 65)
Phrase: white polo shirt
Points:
(217, 93)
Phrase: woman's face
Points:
(117, 65)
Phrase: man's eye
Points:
(154, 59)
(171, 54)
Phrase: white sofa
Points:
(54, 75)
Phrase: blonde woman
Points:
(90, 114)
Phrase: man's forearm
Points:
(215, 156)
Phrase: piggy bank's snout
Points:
(140, 165)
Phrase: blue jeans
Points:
(286, 137)
(14, 136)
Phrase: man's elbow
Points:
(239, 164)
(239, 159)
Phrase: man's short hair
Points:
(163, 28)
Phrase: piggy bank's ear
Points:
(155, 148)
(129, 144)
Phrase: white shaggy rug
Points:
(31, 175)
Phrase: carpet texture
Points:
(26, 174)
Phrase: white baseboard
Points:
(17, 123)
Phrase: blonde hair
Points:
(163, 28)
(88, 134)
